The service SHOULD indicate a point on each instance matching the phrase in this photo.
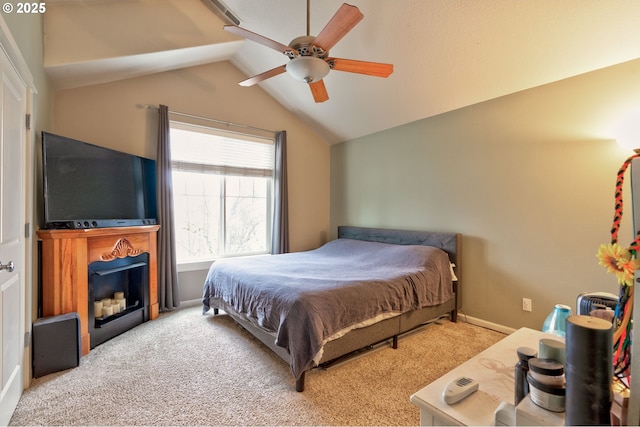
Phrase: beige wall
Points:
(528, 179)
(108, 115)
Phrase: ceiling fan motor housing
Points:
(304, 46)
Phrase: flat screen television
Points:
(87, 186)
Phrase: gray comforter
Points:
(305, 298)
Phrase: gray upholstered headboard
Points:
(448, 242)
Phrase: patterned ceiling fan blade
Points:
(377, 69)
(250, 35)
(338, 26)
(319, 91)
(263, 76)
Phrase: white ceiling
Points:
(447, 54)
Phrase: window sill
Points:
(194, 266)
(206, 264)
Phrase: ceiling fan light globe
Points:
(308, 69)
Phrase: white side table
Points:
(494, 370)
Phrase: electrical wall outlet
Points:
(526, 304)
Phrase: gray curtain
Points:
(168, 295)
(280, 237)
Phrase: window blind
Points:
(207, 150)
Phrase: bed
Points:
(367, 286)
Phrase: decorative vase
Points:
(555, 322)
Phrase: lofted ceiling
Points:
(447, 54)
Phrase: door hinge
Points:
(27, 339)
(27, 230)
(28, 121)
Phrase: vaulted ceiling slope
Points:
(447, 54)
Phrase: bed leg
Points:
(215, 311)
(300, 383)
(454, 315)
(394, 342)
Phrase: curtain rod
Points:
(177, 113)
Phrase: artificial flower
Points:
(619, 261)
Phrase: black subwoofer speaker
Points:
(56, 344)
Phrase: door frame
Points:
(10, 47)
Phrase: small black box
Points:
(56, 344)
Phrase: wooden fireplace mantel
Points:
(66, 255)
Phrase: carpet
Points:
(185, 368)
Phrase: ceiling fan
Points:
(309, 56)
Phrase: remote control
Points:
(458, 389)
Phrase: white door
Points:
(12, 242)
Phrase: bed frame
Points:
(389, 328)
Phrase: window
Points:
(222, 192)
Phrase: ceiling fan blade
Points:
(263, 76)
(340, 24)
(319, 91)
(239, 31)
(377, 69)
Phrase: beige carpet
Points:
(188, 369)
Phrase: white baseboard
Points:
(485, 324)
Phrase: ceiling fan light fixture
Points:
(308, 69)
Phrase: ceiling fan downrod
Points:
(308, 18)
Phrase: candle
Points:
(97, 309)
(106, 302)
(107, 311)
(122, 303)
(118, 295)
(115, 308)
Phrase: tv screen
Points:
(87, 186)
